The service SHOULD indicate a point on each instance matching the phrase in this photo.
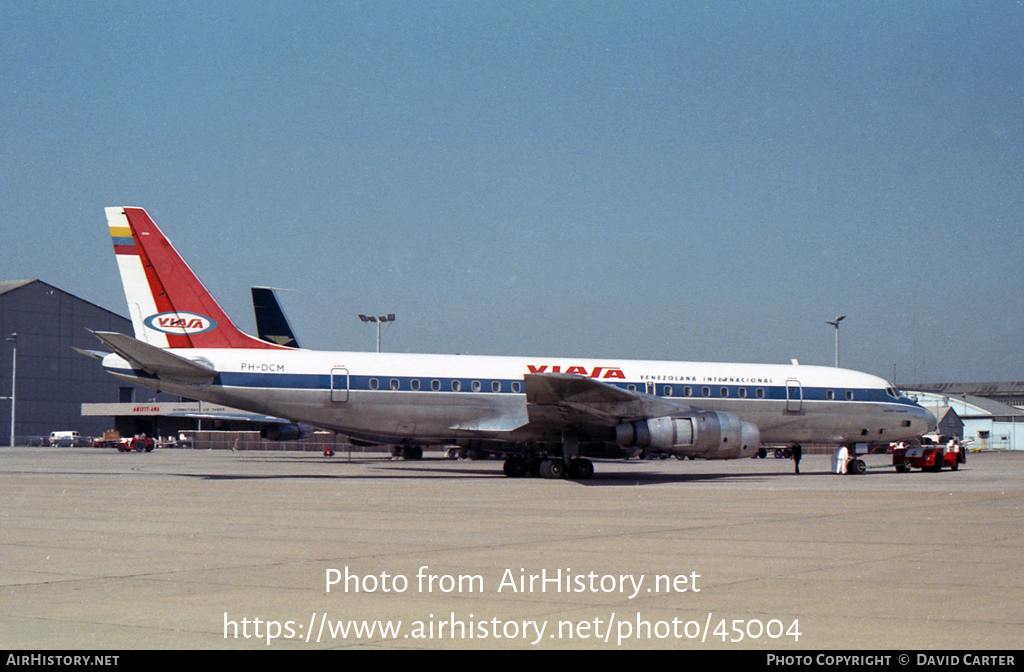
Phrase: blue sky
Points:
(665, 180)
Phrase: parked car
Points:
(66, 438)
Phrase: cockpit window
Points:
(893, 392)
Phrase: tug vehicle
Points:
(929, 457)
(137, 444)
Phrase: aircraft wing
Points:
(568, 400)
(156, 361)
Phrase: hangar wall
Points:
(52, 379)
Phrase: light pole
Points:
(390, 317)
(13, 338)
(836, 325)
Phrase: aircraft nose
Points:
(926, 420)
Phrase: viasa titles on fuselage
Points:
(547, 415)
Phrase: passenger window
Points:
(668, 390)
(742, 393)
(374, 384)
(435, 385)
(414, 384)
(476, 386)
(516, 386)
(631, 387)
(495, 386)
(687, 391)
(849, 395)
(725, 391)
(456, 386)
(705, 391)
(395, 384)
(830, 395)
(760, 393)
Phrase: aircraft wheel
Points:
(857, 467)
(552, 469)
(762, 453)
(515, 467)
(581, 468)
(534, 467)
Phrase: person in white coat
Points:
(839, 459)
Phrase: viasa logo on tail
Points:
(597, 372)
(180, 323)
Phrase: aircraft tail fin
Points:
(169, 306)
(271, 324)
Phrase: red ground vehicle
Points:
(929, 457)
(139, 444)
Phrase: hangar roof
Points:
(970, 389)
(7, 286)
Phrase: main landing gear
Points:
(578, 468)
(407, 452)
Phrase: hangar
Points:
(52, 379)
(985, 415)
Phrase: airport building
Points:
(52, 380)
(985, 416)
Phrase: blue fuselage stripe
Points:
(292, 381)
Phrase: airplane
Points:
(548, 415)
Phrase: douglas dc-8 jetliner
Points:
(547, 414)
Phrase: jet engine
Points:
(708, 434)
(286, 432)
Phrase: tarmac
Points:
(190, 549)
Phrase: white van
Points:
(65, 438)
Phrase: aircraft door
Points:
(794, 396)
(339, 385)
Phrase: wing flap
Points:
(567, 400)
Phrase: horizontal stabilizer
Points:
(156, 361)
(95, 354)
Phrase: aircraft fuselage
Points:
(439, 398)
